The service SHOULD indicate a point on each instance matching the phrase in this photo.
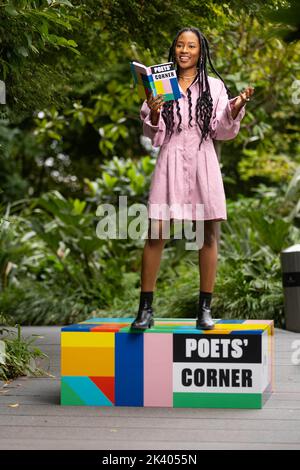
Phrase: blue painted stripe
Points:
(81, 328)
(187, 330)
(129, 369)
(247, 332)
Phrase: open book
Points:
(160, 79)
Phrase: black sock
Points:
(205, 297)
(146, 296)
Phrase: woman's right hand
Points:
(155, 104)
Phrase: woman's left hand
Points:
(241, 100)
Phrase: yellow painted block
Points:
(159, 87)
(220, 331)
(77, 339)
(88, 361)
(239, 326)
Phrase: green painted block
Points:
(217, 400)
(68, 396)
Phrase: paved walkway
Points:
(39, 422)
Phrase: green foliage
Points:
(67, 109)
(62, 270)
(250, 288)
(12, 247)
(292, 198)
(68, 231)
(288, 14)
(249, 276)
(259, 164)
(121, 177)
(31, 35)
(268, 142)
(49, 303)
(20, 355)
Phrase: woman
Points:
(187, 172)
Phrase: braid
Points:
(204, 103)
(168, 116)
(190, 106)
(179, 116)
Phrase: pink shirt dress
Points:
(187, 182)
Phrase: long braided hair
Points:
(204, 104)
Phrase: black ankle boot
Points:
(204, 319)
(144, 318)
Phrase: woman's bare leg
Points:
(152, 256)
(208, 256)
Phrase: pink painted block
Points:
(158, 369)
(167, 86)
(252, 322)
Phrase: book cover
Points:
(160, 79)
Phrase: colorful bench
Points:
(104, 363)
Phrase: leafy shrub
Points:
(121, 177)
(19, 356)
(249, 279)
(262, 165)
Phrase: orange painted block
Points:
(95, 362)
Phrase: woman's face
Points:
(187, 50)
